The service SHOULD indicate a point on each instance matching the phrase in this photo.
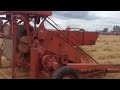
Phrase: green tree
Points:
(105, 30)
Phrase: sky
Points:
(88, 20)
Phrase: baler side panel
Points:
(59, 45)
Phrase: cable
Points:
(54, 22)
(70, 40)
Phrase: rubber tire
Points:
(62, 71)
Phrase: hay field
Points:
(106, 51)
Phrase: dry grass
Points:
(106, 51)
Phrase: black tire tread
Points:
(60, 72)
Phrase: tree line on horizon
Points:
(116, 28)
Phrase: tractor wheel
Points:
(65, 72)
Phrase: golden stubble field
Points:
(106, 51)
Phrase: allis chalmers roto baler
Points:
(47, 53)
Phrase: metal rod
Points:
(14, 48)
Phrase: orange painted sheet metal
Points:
(90, 38)
(81, 38)
(42, 13)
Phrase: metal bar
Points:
(14, 47)
(110, 68)
(42, 13)
(27, 28)
(34, 66)
(3, 18)
(91, 75)
(75, 28)
(1, 57)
